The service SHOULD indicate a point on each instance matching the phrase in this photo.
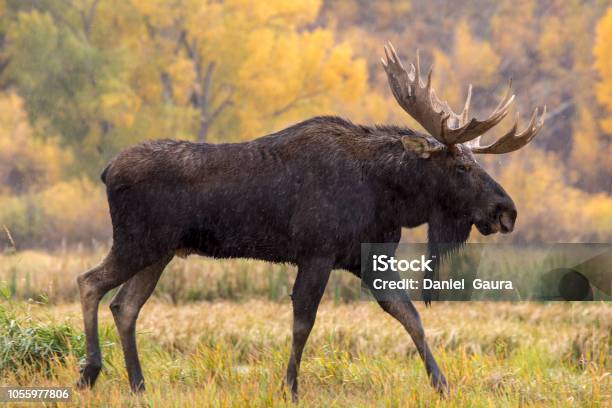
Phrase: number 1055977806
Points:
(15, 394)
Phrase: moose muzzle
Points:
(506, 220)
(500, 219)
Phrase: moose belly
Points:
(239, 239)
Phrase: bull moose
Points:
(307, 195)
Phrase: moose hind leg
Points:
(93, 285)
(308, 289)
(125, 307)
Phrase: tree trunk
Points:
(203, 132)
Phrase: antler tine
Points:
(418, 68)
(505, 102)
(512, 141)
(394, 55)
(466, 106)
(428, 85)
(476, 128)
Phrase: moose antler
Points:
(420, 101)
(512, 141)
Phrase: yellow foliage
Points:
(550, 44)
(598, 217)
(603, 64)
(182, 74)
(474, 60)
(371, 108)
(17, 215)
(26, 162)
(274, 70)
(35, 204)
(445, 80)
(513, 30)
(549, 209)
(295, 75)
(119, 107)
(564, 45)
(75, 210)
(291, 14)
(586, 155)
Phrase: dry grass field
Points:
(82, 80)
(50, 277)
(232, 351)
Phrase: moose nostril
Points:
(506, 220)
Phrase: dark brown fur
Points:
(307, 195)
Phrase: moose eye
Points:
(462, 168)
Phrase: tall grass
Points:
(218, 333)
(51, 277)
(34, 344)
(235, 354)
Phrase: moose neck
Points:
(412, 192)
(445, 234)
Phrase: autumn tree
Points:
(81, 79)
(104, 75)
(26, 163)
(592, 142)
(603, 64)
(62, 75)
(246, 67)
(39, 203)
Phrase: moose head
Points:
(466, 194)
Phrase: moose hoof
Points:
(294, 394)
(138, 387)
(88, 377)
(295, 398)
(440, 384)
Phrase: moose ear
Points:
(419, 145)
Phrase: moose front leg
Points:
(397, 303)
(400, 306)
(308, 289)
